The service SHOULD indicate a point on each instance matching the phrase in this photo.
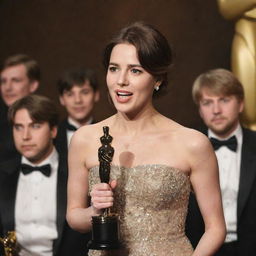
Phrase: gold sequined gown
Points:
(151, 201)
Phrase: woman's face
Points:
(130, 86)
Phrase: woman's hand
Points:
(102, 196)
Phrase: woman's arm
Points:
(231, 9)
(205, 181)
(79, 213)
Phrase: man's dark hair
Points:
(40, 109)
(77, 77)
(32, 67)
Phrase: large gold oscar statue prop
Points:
(10, 244)
(105, 227)
(243, 55)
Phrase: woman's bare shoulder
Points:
(197, 146)
(190, 138)
(199, 152)
(194, 138)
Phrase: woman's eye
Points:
(112, 69)
(136, 71)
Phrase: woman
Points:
(156, 160)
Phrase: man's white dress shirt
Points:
(229, 172)
(36, 209)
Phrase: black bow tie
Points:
(44, 169)
(71, 127)
(231, 143)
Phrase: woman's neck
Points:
(135, 124)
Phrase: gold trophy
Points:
(10, 244)
(105, 227)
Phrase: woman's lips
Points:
(123, 96)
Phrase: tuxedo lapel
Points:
(247, 171)
(61, 200)
(61, 142)
(10, 174)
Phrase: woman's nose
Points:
(123, 79)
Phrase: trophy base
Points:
(105, 233)
(94, 245)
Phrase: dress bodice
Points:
(151, 201)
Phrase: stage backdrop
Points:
(66, 33)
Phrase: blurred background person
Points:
(220, 100)
(19, 76)
(33, 187)
(78, 93)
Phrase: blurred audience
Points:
(33, 186)
(19, 76)
(220, 99)
(78, 93)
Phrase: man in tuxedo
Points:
(19, 76)
(78, 93)
(33, 187)
(220, 98)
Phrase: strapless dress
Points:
(152, 202)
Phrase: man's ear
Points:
(199, 111)
(241, 108)
(54, 131)
(61, 100)
(33, 86)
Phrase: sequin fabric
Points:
(152, 202)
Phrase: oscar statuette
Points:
(105, 227)
(10, 244)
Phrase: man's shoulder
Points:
(249, 140)
(9, 169)
(249, 136)
(62, 132)
(63, 124)
(9, 165)
(247, 131)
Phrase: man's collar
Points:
(76, 124)
(237, 132)
(52, 158)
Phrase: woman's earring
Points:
(156, 87)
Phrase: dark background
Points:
(66, 33)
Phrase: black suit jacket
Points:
(69, 242)
(7, 148)
(246, 206)
(61, 142)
